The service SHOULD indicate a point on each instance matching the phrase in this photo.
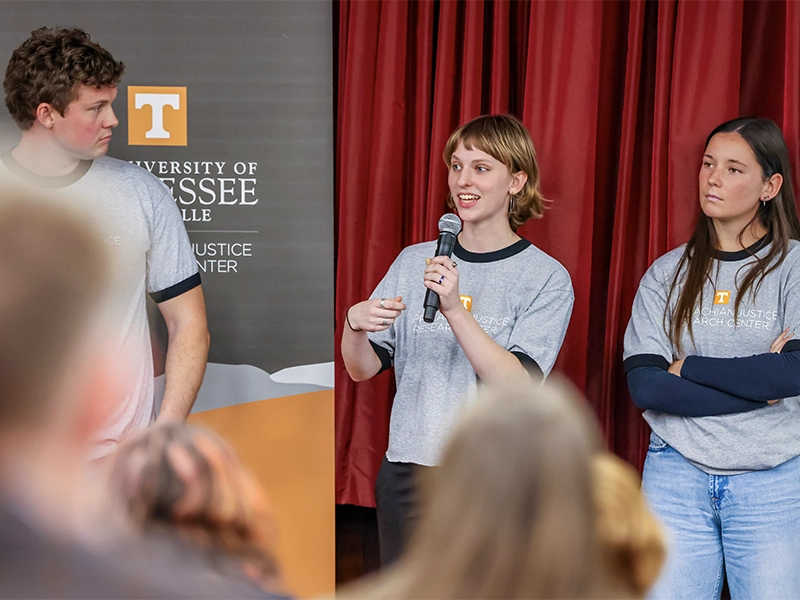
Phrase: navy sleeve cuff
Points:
(383, 355)
(531, 366)
(645, 360)
(791, 346)
(176, 290)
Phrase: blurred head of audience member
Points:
(55, 384)
(632, 546)
(176, 478)
(509, 512)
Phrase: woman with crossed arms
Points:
(708, 354)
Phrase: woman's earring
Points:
(511, 204)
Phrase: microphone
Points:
(449, 226)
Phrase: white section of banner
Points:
(320, 374)
(231, 385)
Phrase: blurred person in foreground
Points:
(59, 87)
(176, 478)
(53, 390)
(509, 511)
(631, 542)
(58, 381)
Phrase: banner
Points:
(230, 105)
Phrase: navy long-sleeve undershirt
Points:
(769, 376)
(652, 387)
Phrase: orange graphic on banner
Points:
(722, 296)
(467, 302)
(157, 116)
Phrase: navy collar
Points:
(61, 181)
(743, 253)
(495, 255)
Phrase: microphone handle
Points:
(444, 247)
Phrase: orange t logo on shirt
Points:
(722, 296)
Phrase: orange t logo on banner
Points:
(467, 302)
(722, 296)
(157, 116)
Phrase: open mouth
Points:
(467, 199)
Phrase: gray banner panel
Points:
(255, 178)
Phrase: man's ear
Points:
(45, 115)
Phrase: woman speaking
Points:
(504, 309)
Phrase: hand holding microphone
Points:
(441, 278)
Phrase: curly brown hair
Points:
(50, 66)
(504, 138)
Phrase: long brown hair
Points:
(778, 217)
(508, 513)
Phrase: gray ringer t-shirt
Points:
(733, 443)
(521, 296)
(144, 231)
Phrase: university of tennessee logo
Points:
(722, 296)
(157, 116)
(467, 302)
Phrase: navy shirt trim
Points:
(176, 290)
(486, 257)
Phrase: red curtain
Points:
(618, 97)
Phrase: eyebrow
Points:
(730, 160)
(477, 160)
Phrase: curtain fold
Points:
(634, 122)
(618, 97)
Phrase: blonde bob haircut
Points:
(632, 544)
(504, 138)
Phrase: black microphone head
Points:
(450, 223)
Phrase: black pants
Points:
(396, 498)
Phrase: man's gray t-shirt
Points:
(732, 443)
(151, 253)
(519, 295)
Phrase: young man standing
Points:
(59, 88)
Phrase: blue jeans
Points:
(748, 525)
